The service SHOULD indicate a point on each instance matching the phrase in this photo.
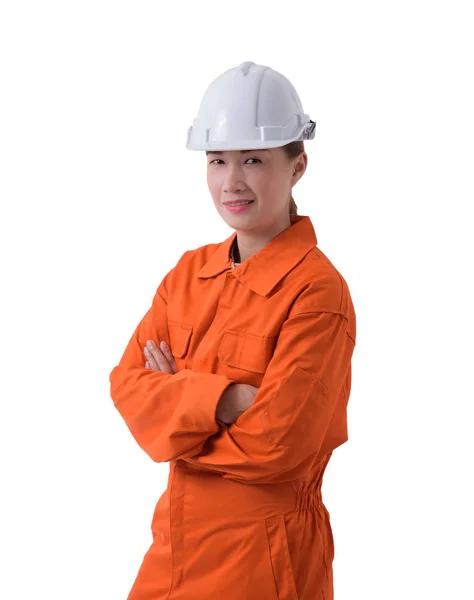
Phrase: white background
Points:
(99, 199)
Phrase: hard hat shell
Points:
(249, 107)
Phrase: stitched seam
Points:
(320, 312)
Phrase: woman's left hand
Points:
(159, 359)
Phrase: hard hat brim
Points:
(307, 133)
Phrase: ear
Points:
(300, 166)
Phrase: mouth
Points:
(239, 207)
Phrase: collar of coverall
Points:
(264, 269)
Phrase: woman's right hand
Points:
(235, 400)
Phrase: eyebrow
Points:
(241, 152)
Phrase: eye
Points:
(219, 159)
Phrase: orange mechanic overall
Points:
(242, 517)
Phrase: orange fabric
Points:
(242, 516)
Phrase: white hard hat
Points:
(249, 107)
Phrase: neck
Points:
(250, 242)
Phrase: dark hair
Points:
(292, 150)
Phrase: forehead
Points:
(236, 152)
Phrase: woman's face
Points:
(264, 176)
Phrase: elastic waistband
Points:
(308, 498)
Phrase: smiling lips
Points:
(232, 202)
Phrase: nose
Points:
(233, 180)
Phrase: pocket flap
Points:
(180, 335)
(246, 351)
(294, 407)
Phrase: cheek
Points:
(211, 184)
(215, 193)
(213, 181)
(265, 184)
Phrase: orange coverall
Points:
(242, 517)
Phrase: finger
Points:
(152, 364)
(169, 356)
(155, 353)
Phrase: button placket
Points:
(226, 291)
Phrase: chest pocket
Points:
(180, 336)
(246, 351)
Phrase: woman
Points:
(239, 374)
